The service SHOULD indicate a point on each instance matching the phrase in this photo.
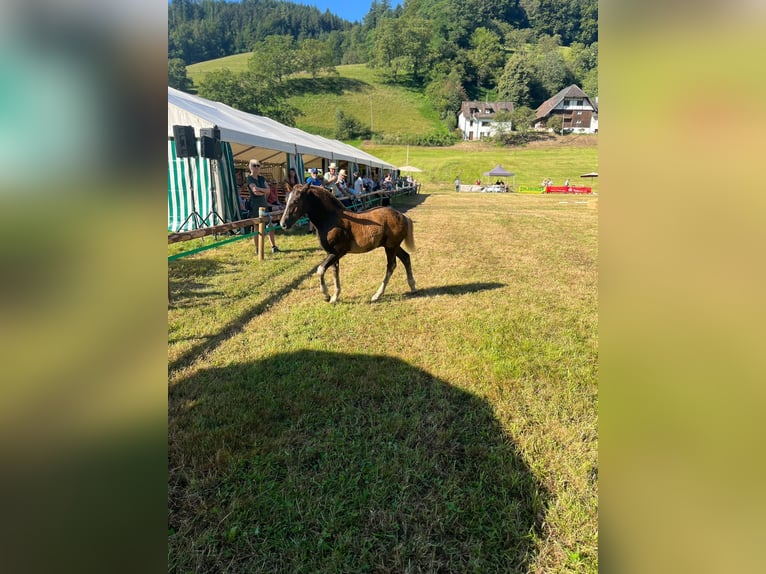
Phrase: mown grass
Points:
(452, 431)
(560, 158)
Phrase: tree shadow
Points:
(233, 327)
(404, 203)
(315, 461)
(324, 85)
(463, 289)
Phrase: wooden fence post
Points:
(261, 231)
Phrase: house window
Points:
(471, 124)
(579, 103)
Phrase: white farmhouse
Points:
(477, 119)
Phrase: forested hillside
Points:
(522, 51)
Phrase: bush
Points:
(435, 139)
(348, 127)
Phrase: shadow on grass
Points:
(237, 325)
(324, 85)
(455, 289)
(404, 203)
(322, 462)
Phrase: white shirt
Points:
(359, 185)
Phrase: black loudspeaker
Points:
(210, 142)
(214, 132)
(185, 145)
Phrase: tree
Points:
(348, 127)
(553, 73)
(446, 93)
(486, 54)
(388, 54)
(250, 93)
(177, 77)
(514, 83)
(314, 56)
(275, 57)
(555, 122)
(523, 117)
(590, 83)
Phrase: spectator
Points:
(313, 178)
(341, 189)
(292, 177)
(273, 199)
(369, 183)
(358, 184)
(457, 184)
(259, 193)
(388, 183)
(566, 182)
(331, 177)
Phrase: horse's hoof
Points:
(333, 300)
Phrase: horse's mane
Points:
(326, 196)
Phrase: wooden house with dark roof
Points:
(477, 119)
(579, 112)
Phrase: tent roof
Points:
(253, 136)
(499, 171)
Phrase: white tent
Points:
(252, 136)
(209, 186)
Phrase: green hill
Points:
(356, 90)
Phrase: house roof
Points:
(483, 110)
(572, 91)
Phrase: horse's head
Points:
(296, 204)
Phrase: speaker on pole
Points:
(210, 142)
(185, 145)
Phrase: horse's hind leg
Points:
(320, 271)
(405, 259)
(390, 266)
(336, 277)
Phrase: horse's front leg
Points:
(390, 266)
(321, 270)
(336, 276)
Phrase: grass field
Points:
(451, 431)
(561, 158)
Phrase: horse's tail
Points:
(409, 239)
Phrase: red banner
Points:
(567, 189)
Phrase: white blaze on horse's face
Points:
(286, 222)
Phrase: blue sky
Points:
(348, 9)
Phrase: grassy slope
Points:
(455, 431)
(395, 110)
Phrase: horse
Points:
(342, 231)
